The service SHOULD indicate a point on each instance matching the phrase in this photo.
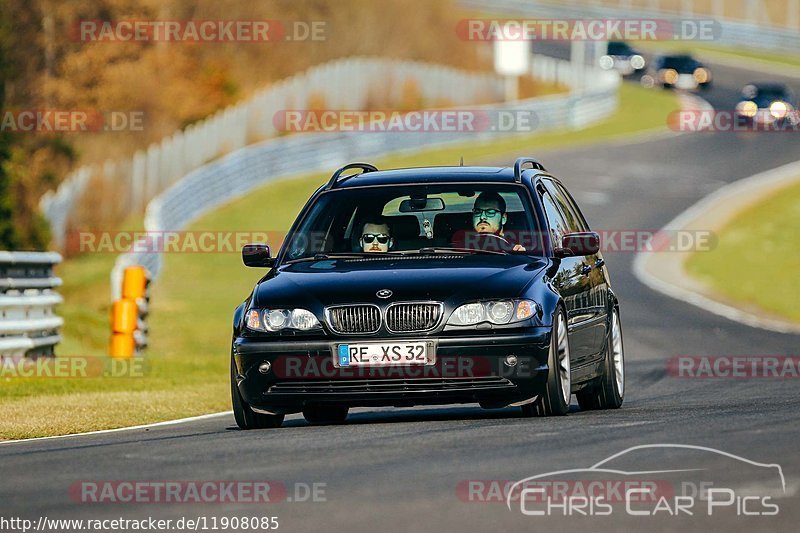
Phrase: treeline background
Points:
(43, 67)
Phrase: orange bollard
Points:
(134, 282)
(122, 345)
(124, 314)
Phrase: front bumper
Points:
(468, 369)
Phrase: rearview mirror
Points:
(421, 204)
(578, 243)
(257, 255)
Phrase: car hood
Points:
(452, 278)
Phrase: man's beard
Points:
(485, 227)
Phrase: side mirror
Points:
(257, 255)
(578, 244)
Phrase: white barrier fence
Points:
(763, 13)
(235, 174)
(353, 83)
(28, 323)
(753, 27)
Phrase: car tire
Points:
(322, 415)
(609, 389)
(554, 401)
(245, 417)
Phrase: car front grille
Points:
(407, 317)
(401, 317)
(364, 318)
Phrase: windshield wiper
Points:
(445, 249)
(323, 257)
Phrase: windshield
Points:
(770, 95)
(619, 49)
(680, 63)
(406, 219)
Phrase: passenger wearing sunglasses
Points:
(489, 215)
(376, 237)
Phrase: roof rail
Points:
(522, 161)
(365, 167)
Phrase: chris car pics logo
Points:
(659, 480)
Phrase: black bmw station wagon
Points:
(429, 286)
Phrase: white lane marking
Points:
(627, 424)
(117, 430)
(670, 287)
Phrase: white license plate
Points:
(384, 354)
(686, 81)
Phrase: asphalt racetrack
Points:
(406, 469)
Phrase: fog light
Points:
(264, 367)
(511, 360)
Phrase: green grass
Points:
(710, 51)
(155, 388)
(768, 57)
(640, 110)
(758, 257)
(186, 369)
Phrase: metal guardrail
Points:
(28, 323)
(594, 96)
(349, 83)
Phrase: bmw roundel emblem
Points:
(383, 293)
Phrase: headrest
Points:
(516, 221)
(404, 226)
(446, 224)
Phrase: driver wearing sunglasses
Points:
(489, 215)
(376, 237)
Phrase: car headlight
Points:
(701, 75)
(669, 75)
(493, 311)
(606, 62)
(280, 319)
(779, 109)
(637, 62)
(747, 108)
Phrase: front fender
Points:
(238, 317)
(547, 297)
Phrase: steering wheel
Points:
(482, 241)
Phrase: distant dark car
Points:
(486, 286)
(677, 71)
(767, 103)
(620, 56)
